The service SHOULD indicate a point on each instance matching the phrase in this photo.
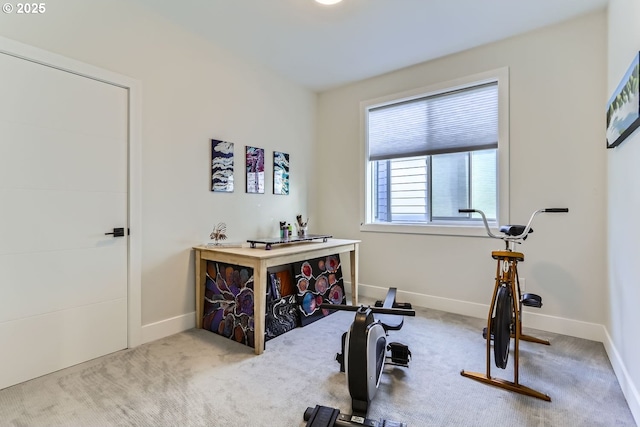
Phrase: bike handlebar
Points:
(526, 229)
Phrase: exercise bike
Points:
(505, 312)
(363, 357)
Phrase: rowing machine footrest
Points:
(402, 305)
(389, 423)
(321, 416)
(400, 353)
(532, 300)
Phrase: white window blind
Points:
(451, 122)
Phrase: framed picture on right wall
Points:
(623, 108)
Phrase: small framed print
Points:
(280, 173)
(221, 166)
(255, 169)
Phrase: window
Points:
(433, 151)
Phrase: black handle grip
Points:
(556, 210)
(466, 210)
(376, 310)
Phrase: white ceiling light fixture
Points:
(328, 2)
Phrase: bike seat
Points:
(514, 230)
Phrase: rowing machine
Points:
(363, 357)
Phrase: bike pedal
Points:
(532, 300)
(484, 333)
(493, 328)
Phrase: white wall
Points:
(623, 202)
(192, 91)
(557, 84)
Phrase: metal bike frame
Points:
(507, 275)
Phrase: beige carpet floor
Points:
(197, 378)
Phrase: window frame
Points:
(471, 227)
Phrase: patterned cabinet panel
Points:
(228, 302)
(318, 281)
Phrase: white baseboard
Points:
(164, 328)
(559, 325)
(629, 389)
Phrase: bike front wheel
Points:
(502, 333)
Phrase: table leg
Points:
(201, 277)
(259, 305)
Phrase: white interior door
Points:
(63, 185)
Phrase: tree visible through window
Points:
(432, 155)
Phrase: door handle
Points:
(117, 232)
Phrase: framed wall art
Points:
(255, 169)
(221, 166)
(623, 109)
(280, 173)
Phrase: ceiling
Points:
(322, 47)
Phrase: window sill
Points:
(465, 230)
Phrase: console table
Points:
(260, 259)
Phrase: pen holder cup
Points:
(302, 230)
